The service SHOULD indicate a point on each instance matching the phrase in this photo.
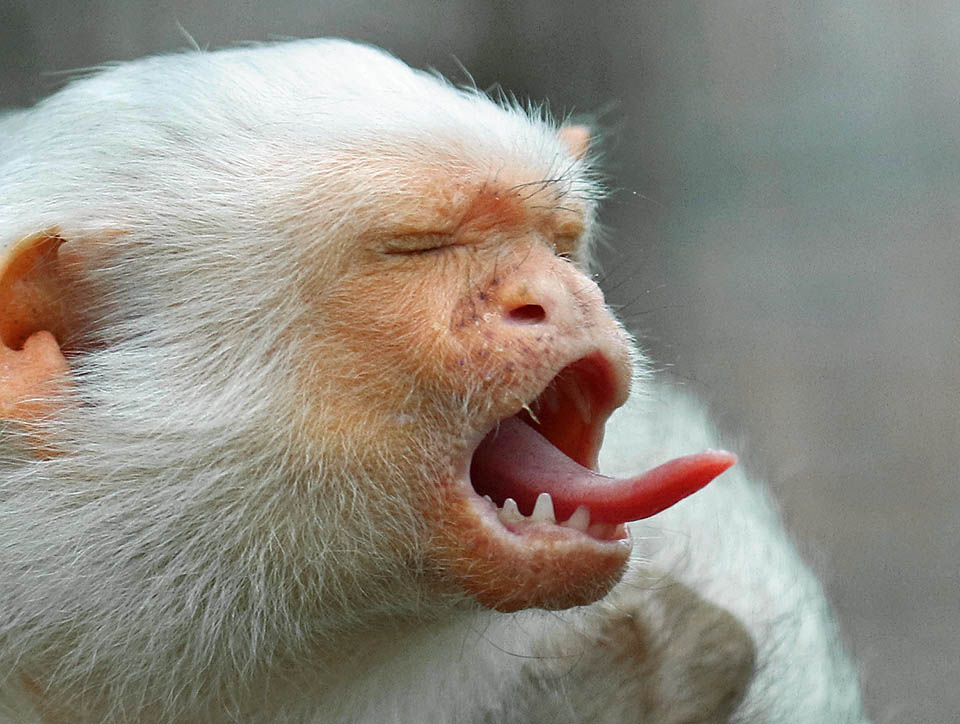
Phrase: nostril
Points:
(527, 314)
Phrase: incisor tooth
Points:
(580, 519)
(510, 513)
(543, 509)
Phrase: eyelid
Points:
(568, 246)
(417, 243)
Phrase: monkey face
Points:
(497, 365)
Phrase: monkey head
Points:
(296, 329)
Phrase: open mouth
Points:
(537, 468)
(531, 523)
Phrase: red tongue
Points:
(515, 461)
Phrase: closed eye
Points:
(417, 243)
(569, 249)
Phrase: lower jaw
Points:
(536, 565)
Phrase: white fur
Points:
(202, 174)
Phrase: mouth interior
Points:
(540, 462)
(571, 411)
(556, 436)
(558, 432)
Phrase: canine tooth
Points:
(530, 412)
(510, 513)
(580, 519)
(543, 509)
(489, 500)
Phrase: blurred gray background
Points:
(783, 236)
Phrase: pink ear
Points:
(577, 139)
(31, 320)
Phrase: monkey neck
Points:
(334, 675)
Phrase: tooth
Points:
(543, 509)
(489, 500)
(530, 412)
(580, 519)
(510, 513)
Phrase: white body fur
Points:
(175, 164)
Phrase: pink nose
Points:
(544, 290)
